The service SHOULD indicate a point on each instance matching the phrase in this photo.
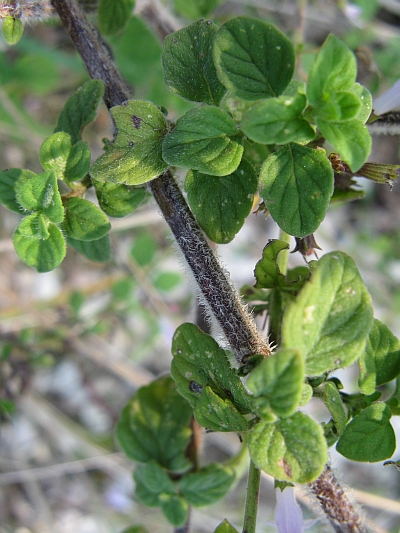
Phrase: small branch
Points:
(253, 489)
(94, 54)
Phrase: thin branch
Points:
(94, 54)
(251, 508)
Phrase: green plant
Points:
(256, 129)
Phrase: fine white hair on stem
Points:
(387, 124)
(28, 11)
(216, 288)
(388, 101)
(337, 503)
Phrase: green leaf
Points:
(225, 527)
(40, 193)
(8, 183)
(204, 376)
(195, 9)
(198, 359)
(338, 106)
(12, 30)
(175, 509)
(267, 270)
(188, 66)
(70, 163)
(151, 481)
(292, 449)
(35, 226)
(350, 138)
(154, 425)
(80, 109)
(114, 16)
(296, 185)
(330, 319)
(380, 362)
(42, 254)
(278, 380)
(207, 485)
(365, 99)
(54, 153)
(78, 163)
(334, 404)
(334, 69)
(204, 139)
(84, 221)
(369, 437)
(216, 413)
(98, 251)
(278, 121)
(295, 87)
(254, 59)
(118, 200)
(306, 394)
(221, 204)
(135, 156)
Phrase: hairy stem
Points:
(251, 508)
(94, 54)
(336, 504)
(215, 287)
(387, 124)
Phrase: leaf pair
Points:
(155, 488)
(340, 105)
(39, 239)
(246, 56)
(154, 429)
(370, 436)
(200, 64)
(204, 376)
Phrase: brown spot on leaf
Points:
(286, 467)
(137, 121)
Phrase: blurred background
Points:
(77, 342)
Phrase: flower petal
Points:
(288, 515)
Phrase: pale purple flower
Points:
(288, 515)
(353, 12)
(388, 101)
